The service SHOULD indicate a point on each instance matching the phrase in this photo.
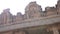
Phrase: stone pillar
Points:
(55, 30)
(19, 32)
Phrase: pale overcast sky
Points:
(19, 5)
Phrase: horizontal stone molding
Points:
(31, 22)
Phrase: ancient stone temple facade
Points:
(6, 17)
(19, 17)
(51, 11)
(34, 21)
(58, 6)
(33, 10)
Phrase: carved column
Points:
(19, 32)
(55, 30)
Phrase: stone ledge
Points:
(30, 23)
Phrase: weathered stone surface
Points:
(30, 23)
(19, 17)
(6, 16)
(9, 32)
(58, 6)
(33, 10)
(34, 16)
(51, 11)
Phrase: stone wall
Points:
(32, 10)
(51, 11)
(58, 6)
(14, 32)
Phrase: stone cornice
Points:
(31, 22)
